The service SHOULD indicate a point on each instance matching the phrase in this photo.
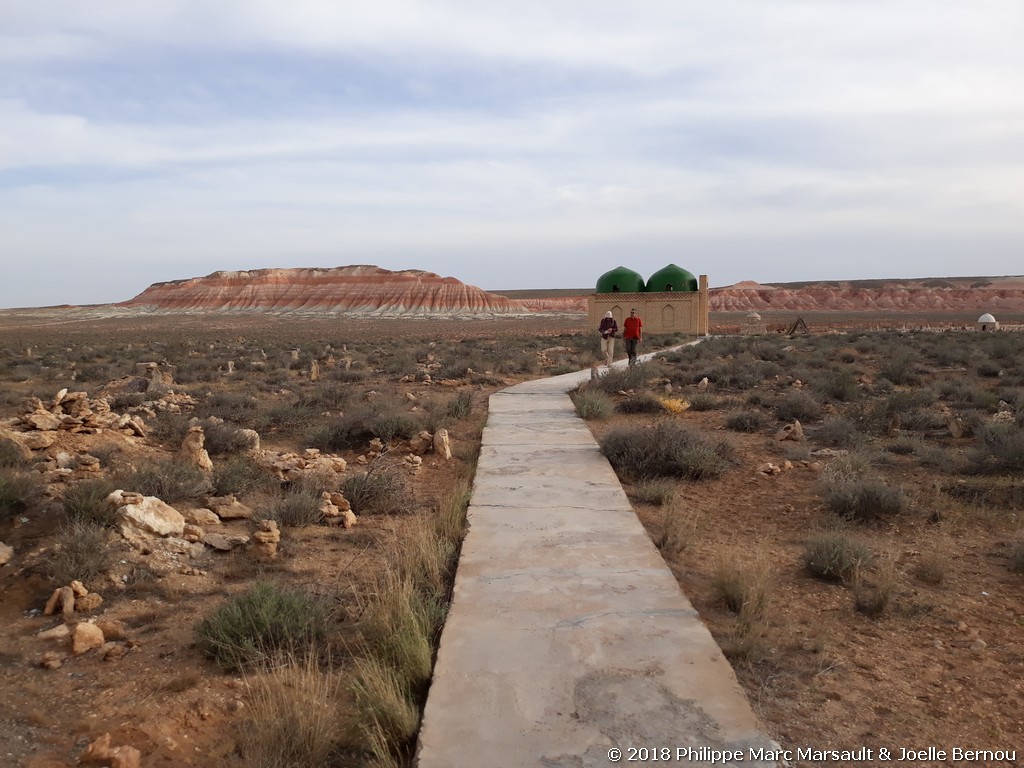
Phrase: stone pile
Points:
(73, 412)
(288, 467)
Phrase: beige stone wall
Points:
(669, 312)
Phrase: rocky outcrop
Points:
(970, 296)
(353, 289)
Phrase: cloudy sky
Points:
(534, 143)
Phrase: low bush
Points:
(262, 625)
(294, 715)
(381, 492)
(18, 491)
(12, 454)
(666, 450)
(863, 499)
(460, 406)
(1017, 556)
(82, 551)
(241, 474)
(390, 426)
(743, 584)
(834, 555)
(798, 405)
(224, 437)
(840, 432)
(872, 592)
(747, 421)
(169, 480)
(344, 432)
(86, 502)
(642, 402)
(703, 401)
(592, 403)
(624, 379)
(1000, 448)
(296, 508)
(653, 492)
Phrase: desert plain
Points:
(863, 569)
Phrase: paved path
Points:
(568, 636)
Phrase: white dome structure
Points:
(987, 323)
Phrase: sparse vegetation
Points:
(666, 450)
(592, 403)
(835, 555)
(86, 501)
(169, 480)
(18, 491)
(263, 625)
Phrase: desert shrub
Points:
(460, 406)
(82, 551)
(86, 502)
(834, 555)
(329, 395)
(122, 401)
(1000, 448)
(380, 492)
(241, 474)
(296, 508)
(343, 432)
(703, 401)
(615, 380)
(263, 624)
(1016, 563)
(170, 480)
(931, 567)
(872, 592)
(863, 499)
(642, 402)
(11, 454)
(900, 369)
(653, 492)
(294, 714)
(389, 426)
(679, 528)
(223, 437)
(742, 584)
(18, 491)
(388, 716)
(747, 421)
(231, 406)
(592, 403)
(989, 370)
(351, 375)
(666, 450)
(838, 385)
(840, 432)
(798, 405)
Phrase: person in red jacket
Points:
(632, 334)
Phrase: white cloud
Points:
(546, 135)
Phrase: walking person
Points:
(632, 333)
(608, 330)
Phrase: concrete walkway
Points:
(568, 637)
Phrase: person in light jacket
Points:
(608, 329)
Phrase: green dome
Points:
(620, 280)
(671, 278)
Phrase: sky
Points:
(516, 144)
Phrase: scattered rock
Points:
(200, 517)
(442, 446)
(225, 542)
(88, 603)
(112, 651)
(85, 636)
(150, 517)
(60, 632)
(51, 660)
(100, 752)
(791, 431)
(229, 508)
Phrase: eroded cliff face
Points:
(367, 289)
(899, 296)
(341, 289)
